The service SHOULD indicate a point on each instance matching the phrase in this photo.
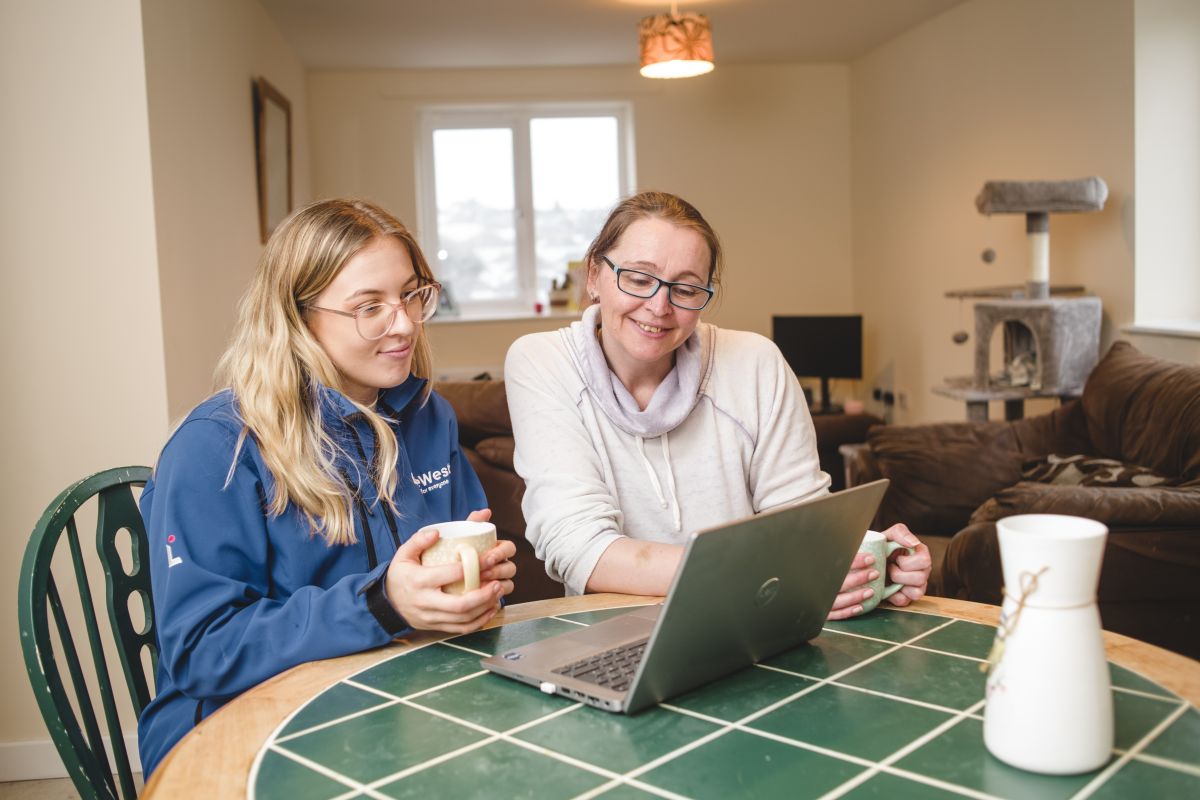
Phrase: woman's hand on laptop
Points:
(910, 571)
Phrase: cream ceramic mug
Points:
(462, 541)
(878, 545)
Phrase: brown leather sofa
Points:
(1136, 431)
(485, 433)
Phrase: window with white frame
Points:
(509, 195)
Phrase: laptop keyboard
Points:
(613, 669)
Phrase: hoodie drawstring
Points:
(671, 484)
(676, 514)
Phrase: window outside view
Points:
(575, 185)
(574, 180)
(476, 213)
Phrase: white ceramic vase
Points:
(1049, 702)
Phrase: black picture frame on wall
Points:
(273, 155)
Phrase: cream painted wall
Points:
(763, 151)
(991, 89)
(200, 61)
(82, 333)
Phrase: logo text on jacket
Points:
(432, 479)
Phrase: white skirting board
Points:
(35, 761)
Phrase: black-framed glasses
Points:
(374, 319)
(688, 296)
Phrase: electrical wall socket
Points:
(902, 400)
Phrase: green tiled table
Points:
(889, 705)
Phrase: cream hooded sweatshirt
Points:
(726, 435)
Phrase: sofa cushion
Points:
(1083, 470)
(480, 406)
(497, 451)
(1116, 507)
(941, 472)
(1145, 410)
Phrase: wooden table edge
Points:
(224, 738)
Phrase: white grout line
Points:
(508, 737)
(599, 790)
(898, 698)
(776, 737)
(679, 751)
(863, 689)
(542, 750)
(963, 656)
(465, 649)
(1139, 693)
(1166, 763)
(252, 777)
(938, 783)
(1112, 768)
(902, 610)
(318, 768)
(466, 723)
(853, 635)
(429, 690)
(391, 700)
(490, 737)
(915, 744)
(533, 723)
(432, 762)
(330, 723)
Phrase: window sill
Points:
(1183, 329)
(469, 318)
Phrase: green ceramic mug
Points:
(877, 545)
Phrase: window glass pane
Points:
(575, 185)
(476, 223)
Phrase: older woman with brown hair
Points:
(641, 424)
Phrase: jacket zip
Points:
(373, 471)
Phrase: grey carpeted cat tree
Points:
(1051, 343)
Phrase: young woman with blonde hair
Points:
(281, 512)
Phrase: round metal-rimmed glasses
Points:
(373, 320)
(633, 282)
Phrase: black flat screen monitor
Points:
(821, 347)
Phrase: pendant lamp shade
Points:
(676, 45)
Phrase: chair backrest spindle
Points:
(72, 720)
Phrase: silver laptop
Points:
(744, 592)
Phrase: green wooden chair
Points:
(47, 602)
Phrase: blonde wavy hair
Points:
(274, 364)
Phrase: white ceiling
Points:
(398, 34)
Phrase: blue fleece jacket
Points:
(240, 595)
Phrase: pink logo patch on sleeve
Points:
(172, 559)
